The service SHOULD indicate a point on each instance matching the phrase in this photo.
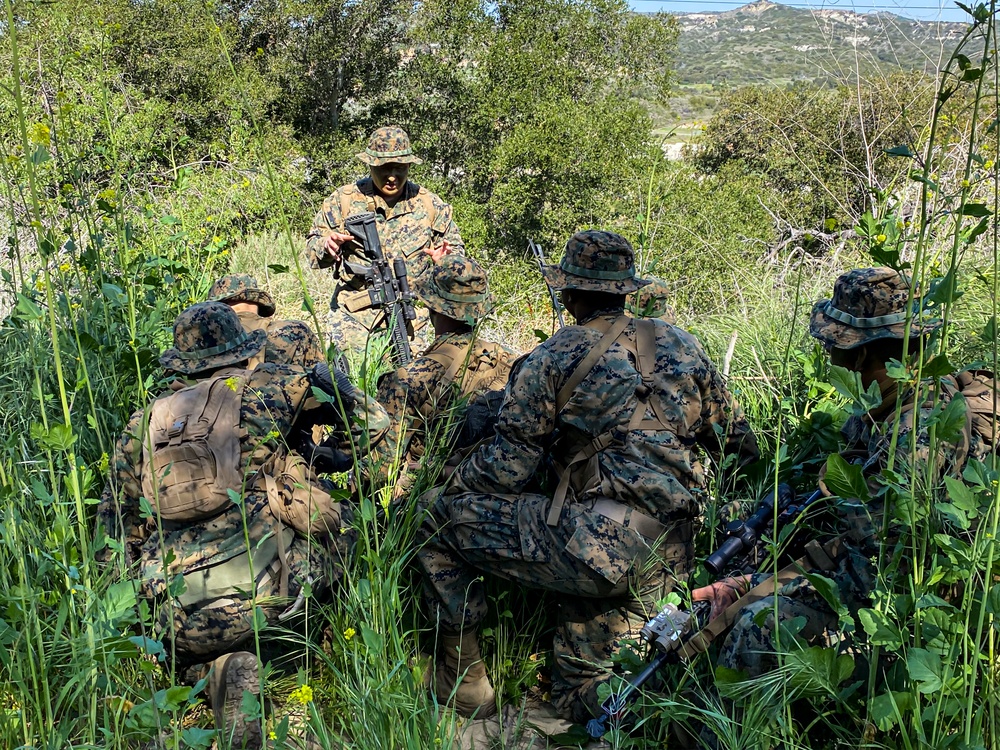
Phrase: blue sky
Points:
(926, 10)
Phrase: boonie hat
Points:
(867, 304)
(389, 145)
(209, 335)
(455, 286)
(651, 302)
(240, 287)
(596, 261)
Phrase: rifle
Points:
(387, 287)
(673, 628)
(557, 307)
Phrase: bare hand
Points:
(437, 253)
(721, 594)
(332, 245)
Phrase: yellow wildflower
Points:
(988, 164)
(39, 134)
(880, 238)
(349, 634)
(65, 267)
(965, 183)
(271, 735)
(302, 695)
(233, 383)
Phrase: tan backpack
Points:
(192, 449)
(982, 402)
(486, 367)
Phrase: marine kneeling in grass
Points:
(864, 327)
(590, 488)
(235, 519)
(426, 399)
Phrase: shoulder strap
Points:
(587, 364)
(427, 202)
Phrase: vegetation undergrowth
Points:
(125, 196)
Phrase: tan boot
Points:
(233, 674)
(462, 664)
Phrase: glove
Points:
(722, 594)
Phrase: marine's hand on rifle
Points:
(331, 245)
(721, 594)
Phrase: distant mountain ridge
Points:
(766, 42)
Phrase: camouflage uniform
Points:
(275, 401)
(625, 534)
(421, 398)
(868, 305)
(419, 223)
(289, 342)
(652, 301)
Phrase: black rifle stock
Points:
(540, 258)
(387, 286)
(673, 627)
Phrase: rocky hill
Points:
(770, 43)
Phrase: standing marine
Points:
(590, 488)
(223, 518)
(412, 222)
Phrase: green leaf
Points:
(989, 334)
(235, 497)
(950, 419)
(919, 177)
(172, 698)
(259, 619)
(277, 268)
(818, 669)
(845, 480)
(977, 210)
(903, 150)
(541, 335)
(964, 63)
(197, 739)
(962, 495)
(993, 604)
(881, 632)
(115, 295)
(831, 595)
(119, 600)
(373, 640)
(972, 74)
(932, 600)
(937, 367)
(40, 155)
(889, 708)
(970, 234)
(945, 290)
(27, 310)
(924, 668)
(250, 706)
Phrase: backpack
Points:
(982, 402)
(192, 449)
(485, 366)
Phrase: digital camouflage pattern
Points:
(493, 521)
(422, 404)
(867, 304)
(596, 261)
(389, 145)
(276, 402)
(456, 287)
(863, 306)
(418, 225)
(652, 301)
(235, 288)
(289, 342)
(208, 335)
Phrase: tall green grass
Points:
(101, 262)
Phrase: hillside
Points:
(770, 43)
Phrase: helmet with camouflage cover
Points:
(868, 304)
(596, 261)
(241, 287)
(651, 302)
(389, 145)
(456, 286)
(209, 335)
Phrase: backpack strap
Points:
(644, 351)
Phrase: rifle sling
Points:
(818, 556)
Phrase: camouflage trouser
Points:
(205, 631)
(609, 575)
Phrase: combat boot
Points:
(233, 674)
(462, 664)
